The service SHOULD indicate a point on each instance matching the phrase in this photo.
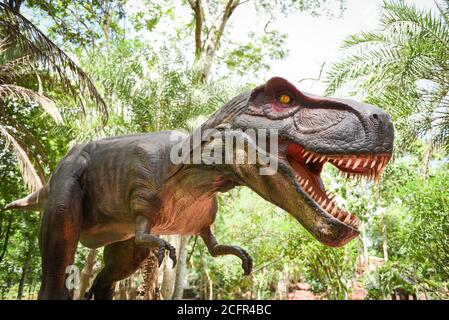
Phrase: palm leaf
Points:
(47, 55)
(403, 67)
(17, 92)
(15, 68)
(29, 173)
(25, 136)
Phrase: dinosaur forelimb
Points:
(144, 238)
(216, 249)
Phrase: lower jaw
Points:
(312, 186)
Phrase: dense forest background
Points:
(109, 67)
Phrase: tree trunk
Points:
(365, 247)
(14, 4)
(7, 235)
(208, 285)
(181, 268)
(208, 33)
(283, 284)
(169, 273)
(86, 273)
(22, 280)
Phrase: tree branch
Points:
(198, 16)
(229, 9)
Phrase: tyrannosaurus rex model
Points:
(123, 192)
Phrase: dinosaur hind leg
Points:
(121, 259)
(58, 239)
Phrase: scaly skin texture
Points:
(123, 192)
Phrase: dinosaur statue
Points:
(123, 192)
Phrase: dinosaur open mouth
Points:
(308, 165)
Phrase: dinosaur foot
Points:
(165, 246)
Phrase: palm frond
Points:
(29, 173)
(443, 8)
(412, 20)
(12, 69)
(25, 137)
(402, 67)
(44, 52)
(4, 44)
(17, 92)
(368, 38)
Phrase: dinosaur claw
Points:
(161, 253)
(160, 256)
(173, 258)
(247, 263)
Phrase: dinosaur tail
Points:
(33, 202)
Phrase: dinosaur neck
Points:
(204, 180)
(195, 175)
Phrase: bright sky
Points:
(312, 41)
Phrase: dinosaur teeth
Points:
(334, 210)
(366, 162)
(348, 218)
(381, 164)
(373, 166)
(309, 158)
(356, 163)
(348, 163)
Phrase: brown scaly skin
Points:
(122, 192)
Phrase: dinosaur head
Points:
(312, 131)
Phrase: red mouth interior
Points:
(308, 165)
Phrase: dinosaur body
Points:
(123, 192)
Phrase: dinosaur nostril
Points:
(375, 116)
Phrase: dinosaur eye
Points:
(285, 99)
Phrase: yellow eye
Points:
(285, 99)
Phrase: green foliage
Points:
(254, 57)
(314, 7)
(403, 67)
(330, 271)
(427, 204)
(151, 86)
(273, 239)
(278, 244)
(149, 91)
(385, 282)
